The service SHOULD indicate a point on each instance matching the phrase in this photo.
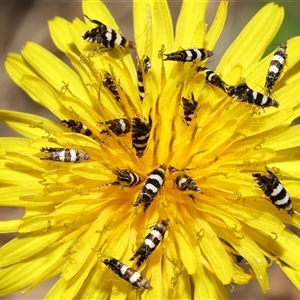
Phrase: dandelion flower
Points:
(130, 154)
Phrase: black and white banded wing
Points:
(245, 94)
(77, 126)
(189, 55)
(189, 106)
(127, 273)
(64, 154)
(140, 134)
(212, 78)
(275, 191)
(119, 127)
(109, 83)
(185, 183)
(276, 66)
(144, 65)
(151, 188)
(151, 241)
(125, 177)
(106, 37)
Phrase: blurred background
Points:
(22, 21)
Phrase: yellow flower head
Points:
(156, 177)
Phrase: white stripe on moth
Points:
(199, 54)
(123, 125)
(283, 201)
(277, 190)
(254, 94)
(150, 243)
(123, 269)
(182, 181)
(132, 177)
(189, 55)
(140, 145)
(264, 100)
(118, 39)
(209, 78)
(279, 58)
(156, 234)
(108, 36)
(157, 178)
(150, 186)
(142, 137)
(62, 155)
(274, 69)
(135, 276)
(73, 155)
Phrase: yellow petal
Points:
(91, 171)
(16, 67)
(156, 276)
(60, 35)
(9, 196)
(264, 123)
(187, 22)
(10, 144)
(228, 219)
(9, 226)
(215, 253)
(49, 263)
(94, 9)
(201, 283)
(28, 125)
(89, 291)
(84, 248)
(42, 93)
(217, 26)
(255, 218)
(77, 281)
(257, 72)
(284, 139)
(286, 96)
(239, 275)
(62, 106)
(172, 266)
(16, 250)
(121, 291)
(53, 70)
(77, 28)
(55, 290)
(245, 48)
(150, 17)
(189, 261)
(284, 244)
(182, 289)
(293, 274)
(207, 286)
(247, 248)
(26, 160)
(15, 174)
(289, 77)
(287, 168)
